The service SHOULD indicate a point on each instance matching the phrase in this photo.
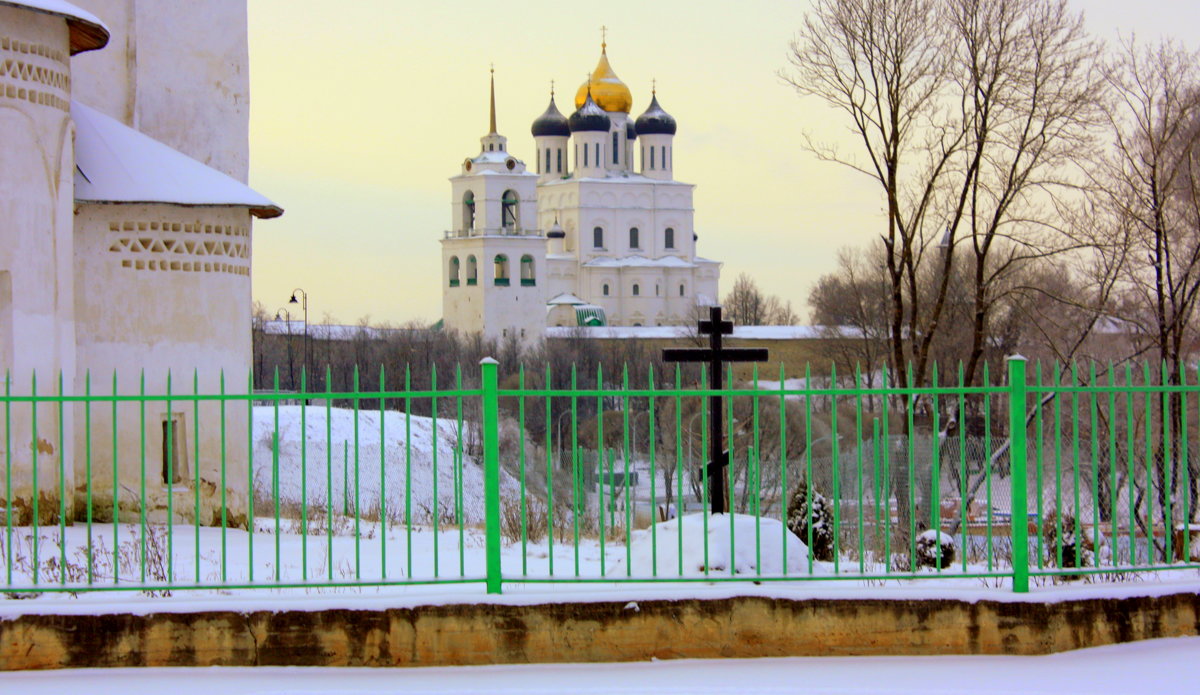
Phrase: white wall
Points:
(178, 72)
(36, 168)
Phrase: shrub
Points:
(820, 512)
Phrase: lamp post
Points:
(303, 301)
(287, 317)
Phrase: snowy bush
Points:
(820, 512)
(1077, 550)
(743, 545)
(935, 549)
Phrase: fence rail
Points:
(141, 487)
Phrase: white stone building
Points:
(602, 234)
(125, 225)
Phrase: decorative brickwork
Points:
(182, 247)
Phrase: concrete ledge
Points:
(474, 634)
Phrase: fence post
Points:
(491, 470)
(1018, 525)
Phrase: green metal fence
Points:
(1062, 473)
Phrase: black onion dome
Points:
(556, 232)
(589, 117)
(552, 122)
(630, 131)
(655, 121)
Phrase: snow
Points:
(68, 11)
(117, 164)
(566, 298)
(752, 540)
(1155, 666)
(636, 261)
(399, 475)
(674, 332)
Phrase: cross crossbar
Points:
(707, 355)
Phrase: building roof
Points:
(117, 164)
(639, 262)
(88, 33)
(566, 298)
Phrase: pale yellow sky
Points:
(361, 110)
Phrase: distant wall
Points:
(478, 634)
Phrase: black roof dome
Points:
(630, 131)
(589, 117)
(552, 122)
(655, 121)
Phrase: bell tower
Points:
(493, 256)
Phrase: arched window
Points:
(681, 290)
(664, 157)
(528, 279)
(604, 290)
(633, 238)
(599, 161)
(500, 269)
(636, 289)
(468, 210)
(454, 271)
(652, 156)
(585, 156)
(472, 270)
(616, 149)
(598, 238)
(669, 238)
(559, 161)
(547, 171)
(657, 289)
(509, 215)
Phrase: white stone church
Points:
(125, 251)
(601, 234)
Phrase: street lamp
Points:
(286, 316)
(303, 301)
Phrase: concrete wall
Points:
(178, 72)
(477, 634)
(37, 162)
(165, 288)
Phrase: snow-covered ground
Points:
(1162, 667)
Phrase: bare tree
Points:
(747, 305)
(966, 113)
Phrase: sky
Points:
(361, 111)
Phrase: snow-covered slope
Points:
(430, 464)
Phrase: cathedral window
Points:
(652, 156)
(681, 289)
(454, 271)
(528, 279)
(633, 238)
(616, 149)
(604, 290)
(500, 270)
(585, 156)
(598, 238)
(472, 270)
(669, 238)
(560, 160)
(657, 288)
(508, 209)
(598, 159)
(637, 290)
(468, 211)
(547, 161)
(664, 157)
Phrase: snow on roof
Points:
(639, 262)
(117, 164)
(670, 332)
(329, 331)
(87, 31)
(566, 298)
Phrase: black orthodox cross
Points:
(715, 355)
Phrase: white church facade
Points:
(599, 233)
(125, 253)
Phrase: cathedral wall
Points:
(36, 168)
(178, 72)
(165, 288)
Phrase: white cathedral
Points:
(601, 235)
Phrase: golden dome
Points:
(608, 91)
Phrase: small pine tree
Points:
(820, 512)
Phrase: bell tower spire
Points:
(492, 122)
(493, 141)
